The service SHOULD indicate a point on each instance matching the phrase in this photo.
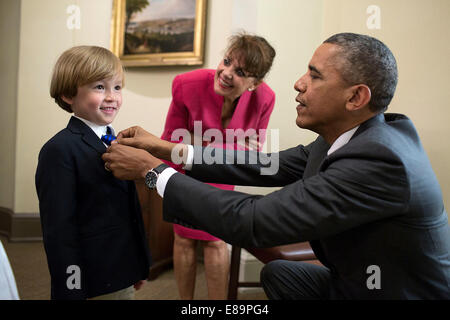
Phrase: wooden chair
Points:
(295, 252)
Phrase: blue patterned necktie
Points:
(108, 137)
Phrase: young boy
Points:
(91, 222)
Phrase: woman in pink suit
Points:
(233, 96)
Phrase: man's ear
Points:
(67, 100)
(359, 97)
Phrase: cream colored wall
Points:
(411, 28)
(9, 32)
(294, 30)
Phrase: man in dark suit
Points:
(363, 193)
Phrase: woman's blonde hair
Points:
(79, 66)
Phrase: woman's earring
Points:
(251, 89)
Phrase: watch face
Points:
(150, 179)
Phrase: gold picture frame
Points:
(161, 39)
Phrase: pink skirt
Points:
(195, 233)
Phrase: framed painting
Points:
(158, 32)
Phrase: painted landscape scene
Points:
(159, 26)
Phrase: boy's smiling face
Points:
(98, 101)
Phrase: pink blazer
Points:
(194, 99)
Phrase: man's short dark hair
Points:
(368, 61)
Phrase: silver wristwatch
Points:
(152, 175)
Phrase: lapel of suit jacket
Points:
(315, 159)
(319, 151)
(316, 156)
(77, 126)
(89, 137)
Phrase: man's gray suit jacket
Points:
(373, 203)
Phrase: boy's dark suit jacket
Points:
(375, 201)
(89, 218)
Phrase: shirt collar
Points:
(342, 140)
(98, 130)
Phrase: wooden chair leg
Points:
(292, 252)
(234, 272)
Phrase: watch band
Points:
(160, 168)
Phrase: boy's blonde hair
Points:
(79, 66)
